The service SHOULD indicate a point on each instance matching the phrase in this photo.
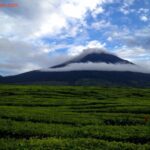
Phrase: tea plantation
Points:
(74, 118)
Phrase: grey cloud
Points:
(26, 9)
(18, 56)
(134, 37)
(138, 40)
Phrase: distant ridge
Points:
(101, 78)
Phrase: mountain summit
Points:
(94, 56)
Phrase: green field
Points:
(74, 118)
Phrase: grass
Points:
(74, 118)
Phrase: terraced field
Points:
(74, 118)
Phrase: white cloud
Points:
(99, 67)
(129, 53)
(109, 39)
(134, 46)
(117, 33)
(143, 10)
(100, 25)
(129, 2)
(124, 10)
(97, 11)
(95, 44)
(126, 7)
(34, 18)
(77, 49)
(144, 18)
(137, 55)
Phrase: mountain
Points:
(104, 78)
(54, 76)
(95, 57)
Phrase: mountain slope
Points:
(105, 78)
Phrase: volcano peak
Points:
(94, 55)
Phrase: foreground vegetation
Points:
(74, 118)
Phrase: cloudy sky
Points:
(40, 33)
